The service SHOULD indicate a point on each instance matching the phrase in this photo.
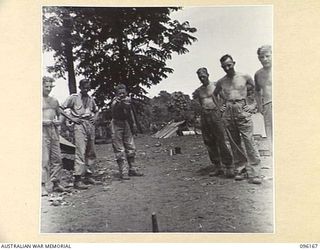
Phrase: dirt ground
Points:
(177, 188)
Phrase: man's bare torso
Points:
(205, 95)
(50, 107)
(234, 88)
(263, 80)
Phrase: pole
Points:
(155, 227)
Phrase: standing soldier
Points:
(83, 110)
(234, 87)
(212, 126)
(123, 126)
(263, 88)
(51, 155)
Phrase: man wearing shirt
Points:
(84, 111)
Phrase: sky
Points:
(236, 30)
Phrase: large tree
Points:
(59, 36)
(123, 45)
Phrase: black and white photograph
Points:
(157, 119)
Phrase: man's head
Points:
(265, 56)
(203, 75)
(84, 86)
(121, 91)
(47, 85)
(227, 64)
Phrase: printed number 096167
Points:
(308, 246)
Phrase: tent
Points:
(172, 127)
(169, 130)
(66, 146)
(67, 153)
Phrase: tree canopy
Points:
(113, 45)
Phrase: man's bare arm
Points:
(250, 83)
(258, 93)
(251, 100)
(218, 89)
(218, 97)
(57, 120)
(196, 96)
(94, 110)
(57, 108)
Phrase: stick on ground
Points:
(155, 227)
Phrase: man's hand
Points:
(223, 108)
(93, 120)
(76, 121)
(249, 108)
(56, 122)
(116, 99)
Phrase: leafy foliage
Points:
(180, 106)
(176, 106)
(59, 36)
(116, 45)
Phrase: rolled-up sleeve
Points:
(68, 103)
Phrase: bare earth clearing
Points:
(177, 188)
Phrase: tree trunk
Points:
(68, 53)
(121, 62)
(70, 68)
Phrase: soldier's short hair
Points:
(120, 87)
(225, 57)
(264, 48)
(203, 69)
(83, 82)
(47, 79)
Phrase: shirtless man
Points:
(263, 88)
(212, 126)
(51, 155)
(234, 88)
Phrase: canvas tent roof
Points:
(169, 130)
(66, 143)
(66, 146)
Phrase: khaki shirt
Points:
(78, 108)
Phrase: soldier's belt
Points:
(234, 101)
(82, 117)
(209, 110)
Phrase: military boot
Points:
(217, 171)
(89, 180)
(229, 172)
(132, 169)
(241, 173)
(57, 187)
(253, 175)
(77, 183)
(122, 175)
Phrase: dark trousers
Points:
(214, 137)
